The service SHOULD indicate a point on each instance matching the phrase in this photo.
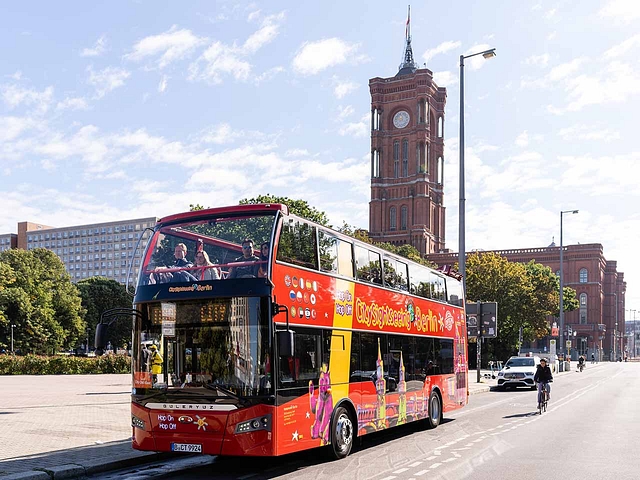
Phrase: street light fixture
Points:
(562, 281)
(461, 207)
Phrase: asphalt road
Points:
(588, 432)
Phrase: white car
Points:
(518, 372)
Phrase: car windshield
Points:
(216, 347)
(208, 249)
(520, 362)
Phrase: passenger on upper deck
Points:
(264, 260)
(211, 273)
(245, 271)
(180, 253)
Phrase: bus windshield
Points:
(215, 347)
(213, 248)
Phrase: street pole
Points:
(12, 327)
(461, 204)
(479, 340)
(615, 330)
(462, 258)
(562, 347)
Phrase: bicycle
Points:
(543, 397)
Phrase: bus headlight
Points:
(258, 423)
(137, 422)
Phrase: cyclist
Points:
(580, 363)
(542, 378)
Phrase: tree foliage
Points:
(38, 297)
(100, 294)
(526, 294)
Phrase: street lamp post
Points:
(461, 206)
(615, 329)
(562, 281)
(12, 327)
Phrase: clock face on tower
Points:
(401, 119)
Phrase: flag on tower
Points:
(406, 30)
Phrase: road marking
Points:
(401, 470)
(420, 473)
(415, 464)
(388, 478)
(448, 460)
(435, 465)
(431, 457)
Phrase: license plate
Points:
(186, 447)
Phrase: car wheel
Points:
(342, 433)
(434, 410)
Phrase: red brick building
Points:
(600, 288)
(407, 158)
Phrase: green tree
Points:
(41, 300)
(527, 294)
(100, 294)
(300, 208)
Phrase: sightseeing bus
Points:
(324, 338)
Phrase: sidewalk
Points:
(54, 427)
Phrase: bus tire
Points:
(434, 410)
(342, 433)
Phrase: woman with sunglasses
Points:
(264, 260)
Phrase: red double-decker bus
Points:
(304, 337)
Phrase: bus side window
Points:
(419, 277)
(297, 244)
(368, 266)
(335, 254)
(454, 291)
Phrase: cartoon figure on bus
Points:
(402, 394)
(381, 388)
(321, 406)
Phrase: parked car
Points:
(518, 372)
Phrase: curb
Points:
(82, 470)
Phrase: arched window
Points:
(405, 158)
(583, 308)
(583, 275)
(403, 218)
(396, 159)
(375, 164)
(440, 127)
(392, 219)
(440, 178)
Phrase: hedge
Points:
(63, 365)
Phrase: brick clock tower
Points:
(407, 159)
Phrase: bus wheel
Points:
(435, 410)
(342, 433)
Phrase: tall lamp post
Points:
(615, 330)
(461, 228)
(562, 282)
(12, 327)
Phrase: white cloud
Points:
(15, 96)
(107, 80)
(344, 112)
(624, 47)
(219, 59)
(444, 47)
(314, 57)
(220, 134)
(356, 129)
(476, 62)
(626, 11)
(162, 86)
(267, 75)
(98, 49)
(253, 15)
(343, 88)
(523, 139)
(170, 46)
(556, 74)
(444, 79)
(613, 84)
(297, 152)
(551, 13)
(266, 34)
(537, 60)
(13, 127)
(585, 132)
(73, 103)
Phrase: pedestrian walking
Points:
(593, 357)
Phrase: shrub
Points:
(63, 365)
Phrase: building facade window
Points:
(396, 159)
(583, 308)
(405, 158)
(583, 275)
(392, 219)
(403, 217)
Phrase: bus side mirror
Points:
(286, 343)
(101, 336)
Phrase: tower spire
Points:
(408, 65)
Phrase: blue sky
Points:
(133, 109)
